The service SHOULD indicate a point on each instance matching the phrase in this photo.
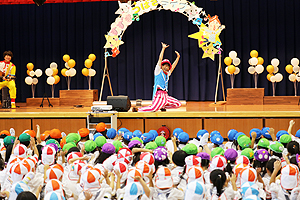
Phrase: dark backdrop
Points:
(42, 35)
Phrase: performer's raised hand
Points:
(178, 55)
(164, 46)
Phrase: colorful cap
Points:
(5, 132)
(69, 146)
(90, 146)
(166, 61)
(263, 142)
(125, 154)
(83, 132)
(248, 174)
(201, 133)
(20, 150)
(249, 188)
(281, 133)
(238, 134)
(154, 132)
(257, 131)
(261, 155)
(160, 141)
(285, 139)
(54, 196)
(122, 131)
(190, 149)
(54, 142)
(133, 190)
(192, 161)
(9, 140)
(248, 152)
(118, 145)
(244, 141)
(298, 133)
(55, 133)
(252, 197)
(133, 143)
(177, 131)
(203, 155)
(54, 172)
(101, 127)
(217, 151)
(147, 137)
(276, 147)
(30, 132)
(127, 136)
(265, 132)
(137, 133)
(195, 173)
(111, 133)
(73, 137)
(218, 162)
(231, 133)
(24, 137)
(214, 133)
(138, 139)
(163, 178)
(100, 141)
(108, 148)
(231, 154)
(160, 153)
(48, 155)
(242, 160)
(183, 137)
(97, 135)
(44, 135)
(195, 190)
(289, 178)
(217, 139)
(151, 145)
(147, 157)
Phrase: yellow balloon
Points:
(57, 79)
(92, 57)
(85, 71)
(88, 63)
(63, 71)
(270, 69)
(66, 57)
(30, 66)
(71, 63)
(253, 53)
(227, 61)
(260, 61)
(231, 69)
(269, 76)
(55, 71)
(289, 69)
(28, 71)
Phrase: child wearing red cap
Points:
(163, 69)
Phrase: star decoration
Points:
(123, 8)
(200, 36)
(209, 51)
(112, 41)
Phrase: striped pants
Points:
(161, 100)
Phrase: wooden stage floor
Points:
(191, 117)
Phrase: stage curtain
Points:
(42, 35)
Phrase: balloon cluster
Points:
(273, 76)
(88, 71)
(69, 71)
(29, 80)
(293, 70)
(232, 59)
(255, 63)
(51, 72)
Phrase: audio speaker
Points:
(39, 2)
(119, 103)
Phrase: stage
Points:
(191, 117)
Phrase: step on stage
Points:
(191, 117)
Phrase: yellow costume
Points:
(10, 71)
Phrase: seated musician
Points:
(8, 70)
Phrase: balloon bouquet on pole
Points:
(29, 80)
(232, 70)
(53, 78)
(69, 71)
(293, 70)
(256, 66)
(273, 75)
(88, 71)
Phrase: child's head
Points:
(276, 149)
(7, 55)
(26, 195)
(178, 158)
(166, 64)
(218, 179)
(205, 159)
(293, 148)
(270, 166)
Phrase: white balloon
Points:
(67, 66)
(251, 70)
(298, 78)
(72, 72)
(292, 77)
(276, 69)
(226, 70)
(249, 61)
(92, 72)
(35, 81)
(275, 62)
(236, 61)
(237, 70)
(296, 68)
(273, 79)
(295, 62)
(259, 69)
(254, 61)
(53, 65)
(31, 73)
(232, 54)
(38, 72)
(49, 72)
(67, 72)
(50, 80)
(28, 80)
(278, 77)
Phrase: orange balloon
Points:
(231, 69)
(30, 66)
(88, 63)
(253, 53)
(63, 71)
(57, 79)
(92, 57)
(227, 61)
(55, 71)
(270, 68)
(269, 76)
(66, 57)
(71, 63)
(289, 69)
(85, 71)
(260, 61)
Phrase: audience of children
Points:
(111, 164)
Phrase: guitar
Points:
(7, 78)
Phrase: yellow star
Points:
(112, 41)
(201, 36)
(209, 51)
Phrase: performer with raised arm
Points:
(161, 100)
(8, 70)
